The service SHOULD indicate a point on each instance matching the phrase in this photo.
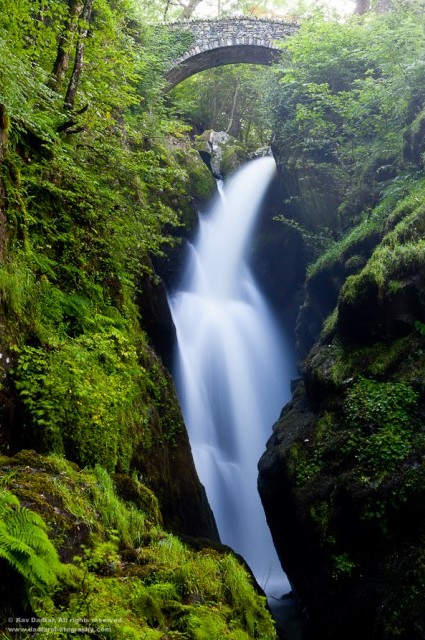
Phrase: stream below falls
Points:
(232, 368)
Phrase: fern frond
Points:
(25, 545)
(7, 500)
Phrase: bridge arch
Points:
(227, 41)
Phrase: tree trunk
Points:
(230, 128)
(167, 6)
(362, 6)
(4, 121)
(381, 6)
(189, 9)
(66, 40)
(79, 55)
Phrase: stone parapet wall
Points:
(214, 34)
(227, 41)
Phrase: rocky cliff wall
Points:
(343, 478)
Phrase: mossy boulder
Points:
(222, 153)
(386, 298)
(121, 573)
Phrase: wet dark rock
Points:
(322, 289)
(344, 540)
(343, 482)
(376, 314)
(156, 317)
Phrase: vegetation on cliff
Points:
(347, 456)
(95, 175)
(120, 575)
(345, 106)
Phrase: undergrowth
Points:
(128, 578)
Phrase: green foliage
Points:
(344, 98)
(343, 566)
(144, 582)
(127, 521)
(227, 99)
(84, 397)
(380, 416)
(89, 197)
(306, 459)
(378, 360)
(302, 463)
(25, 546)
(89, 194)
(27, 99)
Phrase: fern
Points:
(24, 544)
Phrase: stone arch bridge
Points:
(227, 41)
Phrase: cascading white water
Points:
(231, 372)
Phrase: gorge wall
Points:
(342, 479)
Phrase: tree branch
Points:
(79, 55)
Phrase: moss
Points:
(302, 463)
(394, 261)
(346, 248)
(83, 397)
(400, 253)
(343, 565)
(131, 490)
(380, 416)
(403, 207)
(201, 182)
(381, 359)
(320, 513)
(233, 155)
(329, 326)
(199, 186)
(122, 568)
(359, 287)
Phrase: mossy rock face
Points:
(201, 184)
(143, 498)
(223, 153)
(233, 156)
(325, 281)
(121, 567)
(344, 493)
(50, 487)
(166, 466)
(360, 314)
(343, 477)
(367, 312)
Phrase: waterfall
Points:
(231, 370)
